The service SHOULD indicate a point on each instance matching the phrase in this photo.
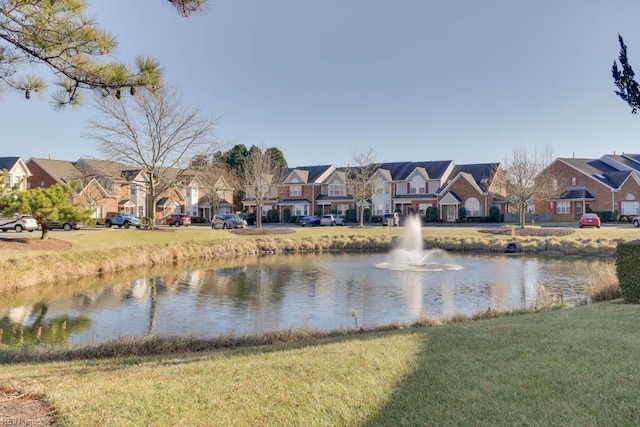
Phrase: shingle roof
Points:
(400, 171)
(62, 171)
(482, 173)
(314, 172)
(8, 162)
(598, 170)
(577, 193)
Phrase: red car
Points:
(178, 220)
(590, 220)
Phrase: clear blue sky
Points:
(465, 80)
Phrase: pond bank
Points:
(34, 269)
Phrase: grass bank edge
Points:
(105, 256)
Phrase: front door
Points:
(451, 213)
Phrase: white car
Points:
(19, 222)
(331, 220)
(636, 221)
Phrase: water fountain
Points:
(410, 253)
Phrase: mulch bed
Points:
(263, 231)
(18, 243)
(25, 409)
(536, 232)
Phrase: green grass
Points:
(562, 367)
(100, 251)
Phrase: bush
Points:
(432, 214)
(462, 213)
(286, 215)
(628, 270)
(272, 216)
(494, 214)
(608, 216)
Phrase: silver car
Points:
(225, 221)
(19, 222)
(331, 219)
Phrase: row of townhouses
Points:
(610, 183)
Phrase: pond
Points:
(318, 291)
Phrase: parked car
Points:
(590, 220)
(391, 218)
(249, 217)
(19, 222)
(122, 219)
(225, 221)
(309, 220)
(636, 221)
(331, 220)
(178, 220)
(63, 225)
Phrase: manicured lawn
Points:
(563, 367)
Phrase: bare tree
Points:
(261, 176)
(218, 181)
(152, 131)
(359, 176)
(526, 179)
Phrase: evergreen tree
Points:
(59, 35)
(628, 89)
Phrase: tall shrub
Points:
(432, 213)
(494, 214)
(628, 270)
(272, 215)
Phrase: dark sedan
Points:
(311, 221)
(63, 225)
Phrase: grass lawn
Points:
(563, 367)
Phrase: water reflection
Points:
(323, 291)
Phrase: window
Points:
(472, 206)
(578, 208)
(563, 207)
(630, 206)
(42, 184)
(417, 185)
(573, 180)
(378, 210)
(379, 188)
(342, 209)
(295, 190)
(336, 190)
(422, 209)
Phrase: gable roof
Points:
(597, 170)
(8, 162)
(311, 174)
(400, 171)
(482, 173)
(465, 176)
(62, 171)
(103, 167)
(577, 193)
